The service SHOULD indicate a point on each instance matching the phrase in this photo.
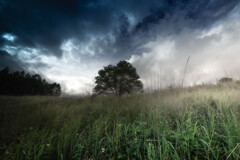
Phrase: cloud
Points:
(75, 74)
(49, 23)
(9, 37)
(214, 53)
(9, 61)
(69, 41)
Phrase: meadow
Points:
(200, 122)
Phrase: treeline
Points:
(21, 83)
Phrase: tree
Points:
(118, 80)
(225, 79)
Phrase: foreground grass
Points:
(195, 123)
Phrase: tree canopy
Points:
(21, 83)
(118, 80)
(225, 79)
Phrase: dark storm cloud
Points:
(46, 24)
(98, 29)
(170, 18)
(43, 23)
(6, 60)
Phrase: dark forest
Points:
(21, 83)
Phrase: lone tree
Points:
(118, 80)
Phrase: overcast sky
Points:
(69, 41)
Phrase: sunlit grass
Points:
(195, 123)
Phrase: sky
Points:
(69, 41)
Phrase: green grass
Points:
(194, 123)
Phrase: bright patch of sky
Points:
(212, 31)
(12, 50)
(9, 37)
(75, 75)
(214, 53)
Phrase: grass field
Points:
(201, 122)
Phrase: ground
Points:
(200, 122)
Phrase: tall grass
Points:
(193, 123)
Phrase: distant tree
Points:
(118, 80)
(21, 83)
(238, 81)
(225, 79)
